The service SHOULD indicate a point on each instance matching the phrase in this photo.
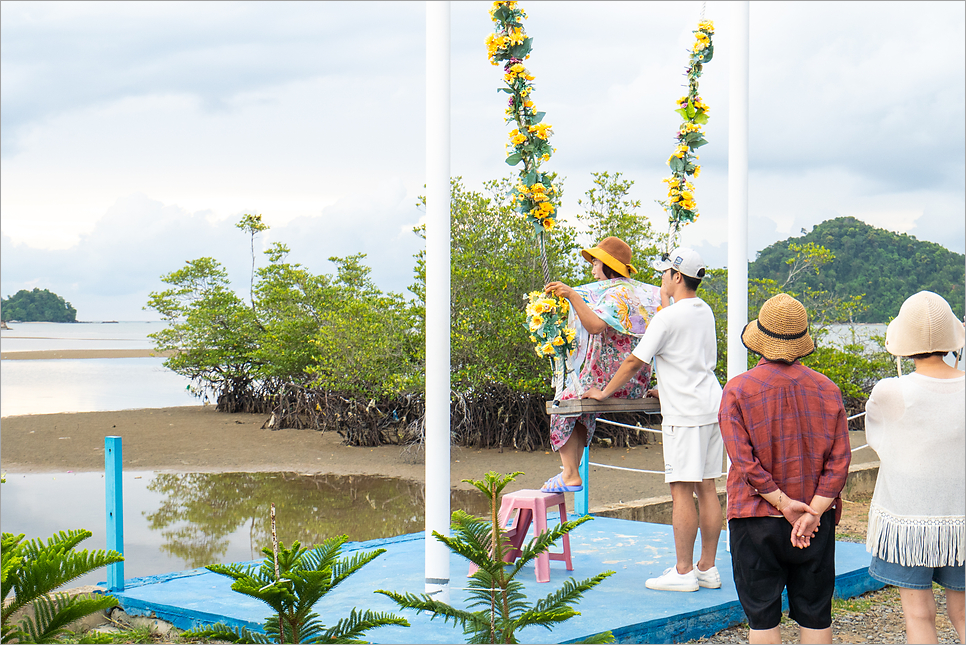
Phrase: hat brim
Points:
(934, 330)
(608, 259)
(662, 265)
(773, 348)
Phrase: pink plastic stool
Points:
(531, 505)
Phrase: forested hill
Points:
(887, 267)
(37, 306)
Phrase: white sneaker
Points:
(671, 580)
(709, 579)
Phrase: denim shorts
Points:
(918, 577)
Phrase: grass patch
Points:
(128, 634)
(850, 536)
(857, 605)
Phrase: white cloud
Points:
(138, 133)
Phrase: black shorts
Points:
(765, 563)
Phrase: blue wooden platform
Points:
(634, 550)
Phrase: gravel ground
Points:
(874, 617)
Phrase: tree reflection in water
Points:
(201, 511)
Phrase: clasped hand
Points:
(804, 520)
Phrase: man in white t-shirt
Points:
(680, 340)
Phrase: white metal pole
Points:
(437, 296)
(737, 197)
(738, 190)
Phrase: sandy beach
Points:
(48, 354)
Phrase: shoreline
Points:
(54, 354)
(198, 438)
(193, 439)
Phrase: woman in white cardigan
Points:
(917, 425)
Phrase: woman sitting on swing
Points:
(609, 317)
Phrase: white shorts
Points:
(692, 453)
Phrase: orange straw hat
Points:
(614, 252)
(780, 333)
(925, 324)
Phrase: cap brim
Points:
(662, 265)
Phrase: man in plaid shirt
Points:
(785, 429)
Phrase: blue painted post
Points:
(582, 498)
(114, 493)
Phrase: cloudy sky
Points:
(134, 135)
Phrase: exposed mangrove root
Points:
(492, 416)
(489, 417)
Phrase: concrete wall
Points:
(861, 483)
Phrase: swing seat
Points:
(579, 406)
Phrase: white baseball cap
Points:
(683, 260)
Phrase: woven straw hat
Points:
(614, 252)
(780, 333)
(925, 324)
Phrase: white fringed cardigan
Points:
(917, 425)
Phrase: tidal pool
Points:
(174, 522)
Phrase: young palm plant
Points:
(33, 570)
(291, 582)
(504, 608)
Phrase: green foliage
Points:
(854, 368)
(37, 306)
(494, 587)
(883, 267)
(365, 339)
(33, 570)
(338, 333)
(214, 335)
(493, 266)
(253, 225)
(609, 211)
(291, 586)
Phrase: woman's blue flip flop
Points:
(555, 485)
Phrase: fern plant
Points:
(494, 589)
(291, 583)
(33, 570)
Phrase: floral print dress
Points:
(625, 306)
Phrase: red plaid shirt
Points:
(784, 426)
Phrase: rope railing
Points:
(661, 472)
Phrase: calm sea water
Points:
(178, 521)
(26, 337)
(85, 385)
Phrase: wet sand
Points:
(199, 439)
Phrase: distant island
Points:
(39, 305)
(886, 267)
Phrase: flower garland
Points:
(681, 206)
(547, 316)
(533, 195)
(529, 141)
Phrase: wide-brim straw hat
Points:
(925, 324)
(780, 333)
(614, 252)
